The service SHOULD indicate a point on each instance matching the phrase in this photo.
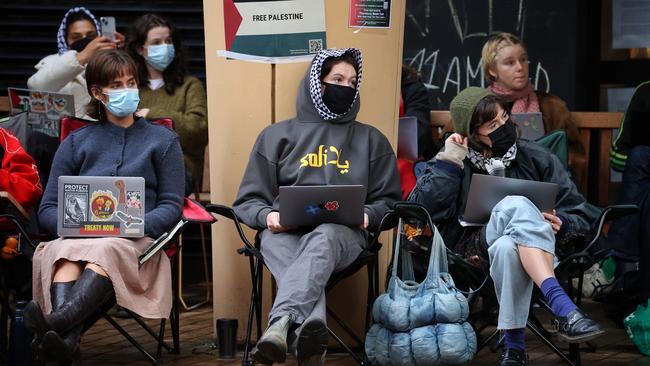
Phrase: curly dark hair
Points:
(174, 74)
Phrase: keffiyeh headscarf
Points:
(315, 83)
(492, 165)
(61, 36)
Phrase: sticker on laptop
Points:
(75, 204)
(102, 205)
(314, 210)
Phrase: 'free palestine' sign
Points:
(272, 30)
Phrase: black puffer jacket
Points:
(443, 189)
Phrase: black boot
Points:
(90, 292)
(53, 347)
(58, 293)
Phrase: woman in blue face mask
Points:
(74, 277)
(165, 88)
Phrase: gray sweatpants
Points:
(302, 263)
(515, 221)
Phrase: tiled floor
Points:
(103, 345)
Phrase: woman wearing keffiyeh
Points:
(518, 243)
(77, 39)
(505, 66)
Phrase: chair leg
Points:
(206, 273)
(549, 344)
(175, 314)
(256, 270)
(345, 346)
(161, 341)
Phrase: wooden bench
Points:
(594, 128)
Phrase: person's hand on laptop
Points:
(555, 221)
(273, 223)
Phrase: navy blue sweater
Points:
(141, 150)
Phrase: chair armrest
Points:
(229, 213)
(610, 213)
(8, 204)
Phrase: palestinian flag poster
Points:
(274, 30)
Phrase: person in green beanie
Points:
(518, 243)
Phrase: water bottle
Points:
(20, 352)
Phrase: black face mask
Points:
(338, 98)
(503, 138)
(80, 44)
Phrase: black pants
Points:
(631, 234)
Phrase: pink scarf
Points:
(525, 100)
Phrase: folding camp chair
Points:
(193, 212)
(570, 267)
(367, 258)
(13, 219)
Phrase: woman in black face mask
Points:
(518, 244)
(78, 38)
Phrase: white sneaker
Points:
(594, 282)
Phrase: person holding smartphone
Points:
(166, 90)
(78, 39)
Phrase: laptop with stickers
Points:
(315, 205)
(91, 206)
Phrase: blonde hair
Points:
(492, 47)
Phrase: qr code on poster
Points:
(315, 45)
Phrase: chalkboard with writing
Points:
(443, 39)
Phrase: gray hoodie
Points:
(318, 147)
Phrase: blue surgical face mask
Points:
(122, 102)
(160, 56)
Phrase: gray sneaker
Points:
(312, 343)
(272, 346)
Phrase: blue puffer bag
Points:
(421, 323)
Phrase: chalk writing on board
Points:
(460, 72)
(443, 40)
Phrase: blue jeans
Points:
(630, 235)
(515, 222)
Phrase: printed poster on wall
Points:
(370, 13)
(273, 31)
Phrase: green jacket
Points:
(188, 108)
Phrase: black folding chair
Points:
(571, 267)
(368, 258)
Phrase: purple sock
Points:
(515, 338)
(556, 298)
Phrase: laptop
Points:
(315, 205)
(407, 138)
(44, 109)
(91, 206)
(485, 191)
(531, 125)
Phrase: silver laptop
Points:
(43, 109)
(315, 205)
(531, 125)
(100, 206)
(407, 138)
(485, 191)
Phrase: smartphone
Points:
(107, 25)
